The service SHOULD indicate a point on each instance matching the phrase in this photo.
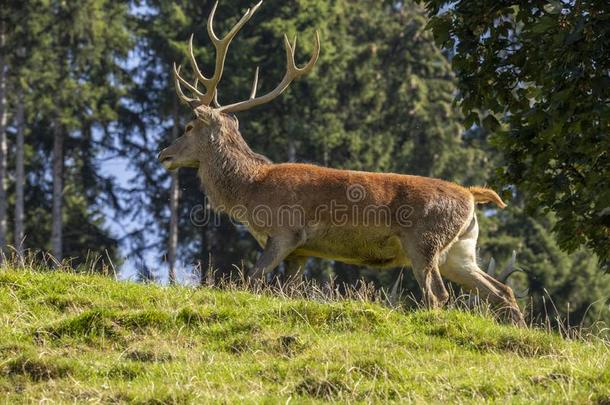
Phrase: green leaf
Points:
(491, 123)
(543, 25)
(440, 27)
(553, 7)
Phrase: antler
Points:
(210, 96)
(292, 72)
(222, 46)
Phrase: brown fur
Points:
(244, 184)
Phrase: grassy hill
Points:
(80, 338)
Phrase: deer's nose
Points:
(162, 154)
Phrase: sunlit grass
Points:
(85, 338)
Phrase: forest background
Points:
(513, 96)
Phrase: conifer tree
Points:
(3, 121)
(66, 78)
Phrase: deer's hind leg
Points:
(424, 261)
(461, 267)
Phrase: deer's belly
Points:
(358, 248)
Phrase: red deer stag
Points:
(299, 210)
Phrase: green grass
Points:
(80, 338)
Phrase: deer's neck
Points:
(228, 170)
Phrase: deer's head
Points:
(211, 117)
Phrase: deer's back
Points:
(310, 184)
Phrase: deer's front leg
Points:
(276, 250)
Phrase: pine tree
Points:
(19, 171)
(65, 71)
(3, 122)
(156, 98)
(174, 196)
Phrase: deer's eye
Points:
(188, 128)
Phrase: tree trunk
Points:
(19, 172)
(207, 268)
(3, 121)
(58, 168)
(292, 150)
(174, 196)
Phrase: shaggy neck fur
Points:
(229, 167)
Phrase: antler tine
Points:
(244, 19)
(193, 61)
(215, 101)
(292, 72)
(290, 52)
(314, 57)
(254, 85)
(210, 26)
(185, 82)
(177, 79)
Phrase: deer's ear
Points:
(235, 121)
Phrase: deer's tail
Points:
(484, 195)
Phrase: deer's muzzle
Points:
(165, 158)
